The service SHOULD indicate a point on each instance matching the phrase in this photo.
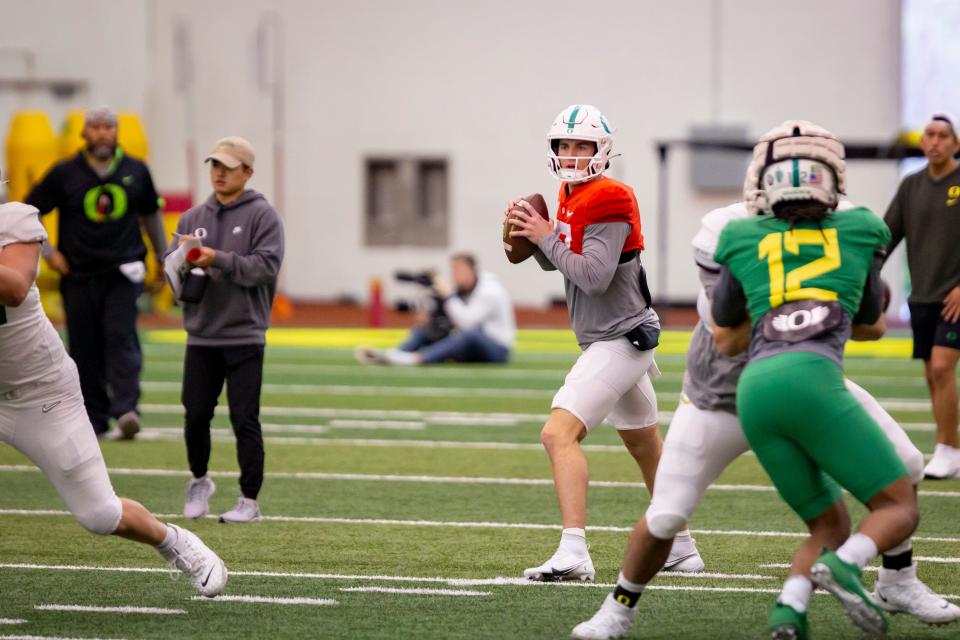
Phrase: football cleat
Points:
(843, 580)
(684, 557)
(561, 567)
(128, 425)
(944, 464)
(612, 620)
(197, 503)
(194, 559)
(902, 592)
(786, 623)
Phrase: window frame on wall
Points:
(406, 200)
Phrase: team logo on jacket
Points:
(237, 229)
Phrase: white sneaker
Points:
(562, 566)
(191, 557)
(613, 620)
(944, 464)
(244, 512)
(197, 503)
(128, 425)
(369, 355)
(684, 557)
(902, 592)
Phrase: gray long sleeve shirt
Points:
(248, 237)
(603, 296)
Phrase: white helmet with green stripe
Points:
(580, 122)
(796, 160)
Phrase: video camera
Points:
(439, 326)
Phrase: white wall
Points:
(101, 41)
(481, 82)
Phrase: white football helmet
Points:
(799, 179)
(580, 122)
(796, 140)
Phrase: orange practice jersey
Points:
(600, 200)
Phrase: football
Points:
(519, 249)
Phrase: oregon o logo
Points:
(953, 192)
(105, 202)
(952, 336)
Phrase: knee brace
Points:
(102, 520)
(664, 526)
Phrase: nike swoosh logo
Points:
(207, 579)
(47, 407)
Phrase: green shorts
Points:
(806, 428)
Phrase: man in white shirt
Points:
(480, 312)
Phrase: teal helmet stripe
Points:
(603, 121)
(796, 172)
(573, 119)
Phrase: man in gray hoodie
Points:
(242, 251)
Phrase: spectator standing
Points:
(242, 252)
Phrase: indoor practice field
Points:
(406, 502)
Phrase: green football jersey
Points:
(776, 264)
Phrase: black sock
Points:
(898, 561)
(625, 597)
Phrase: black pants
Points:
(204, 371)
(101, 314)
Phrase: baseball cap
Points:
(100, 115)
(232, 152)
(946, 118)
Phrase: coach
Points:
(926, 211)
(103, 196)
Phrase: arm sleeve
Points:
(729, 307)
(593, 270)
(45, 195)
(543, 261)
(150, 200)
(871, 304)
(894, 220)
(153, 225)
(262, 265)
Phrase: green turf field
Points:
(405, 503)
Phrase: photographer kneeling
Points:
(472, 323)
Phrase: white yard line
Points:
(464, 582)
(467, 373)
(18, 637)
(161, 611)
(471, 525)
(457, 582)
(317, 602)
(368, 477)
(891, 404)
(12, 621)
(416, 592)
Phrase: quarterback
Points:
(43, 415)
(595, 242)
(705, 437)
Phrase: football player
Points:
(43, 416)
(595, 242)
(705, 437)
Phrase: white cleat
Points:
(613, 620)
(944, 464)
(902, 592)
(203, 567)
(562, 566)
(684, 557)
(245, 512)
(197, 503)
